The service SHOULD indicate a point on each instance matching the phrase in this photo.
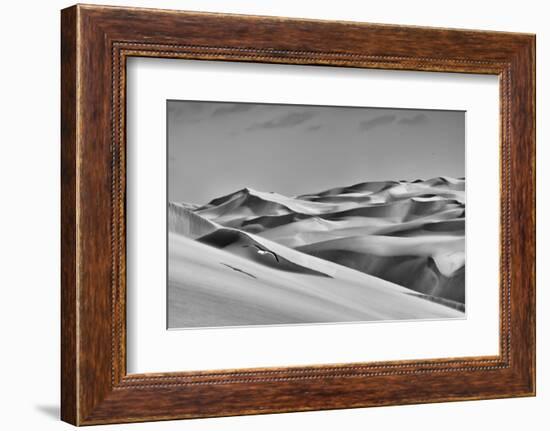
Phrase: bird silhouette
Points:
(239, 270)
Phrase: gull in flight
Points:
(263, 251)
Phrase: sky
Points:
(217, 148)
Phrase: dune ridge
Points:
(407, 236)
(183, 220)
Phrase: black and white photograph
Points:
(281, 214)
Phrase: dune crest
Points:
(184, 221)
(410, 234)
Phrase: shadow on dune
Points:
(419, 273)
(241, 244)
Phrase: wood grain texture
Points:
(68, 218)
(96, 41)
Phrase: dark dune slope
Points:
(419, 273)
(242, 244)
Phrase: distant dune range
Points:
(400, 239)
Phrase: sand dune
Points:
(184, 221)
(209, 286)
(395, 234)
(255, 249)
(233, 209)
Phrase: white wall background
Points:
(29, 220)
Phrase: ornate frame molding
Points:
(96, 41)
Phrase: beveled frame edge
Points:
(96, 41)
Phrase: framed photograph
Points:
(265, 214)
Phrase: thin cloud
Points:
(289, 120)
(232, 108)
(419, 118)
(314, 127)
(376, 121)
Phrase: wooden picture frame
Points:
(95, 43)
